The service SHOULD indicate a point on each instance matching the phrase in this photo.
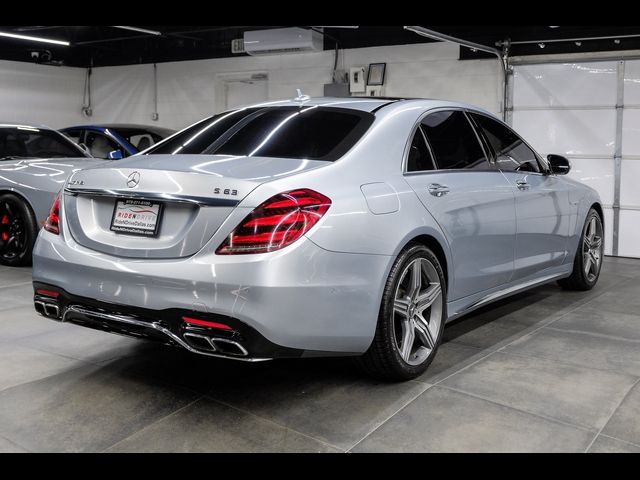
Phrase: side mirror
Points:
(559, 164)
(115, 155)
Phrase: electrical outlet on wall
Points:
(374, 91)
(356, 80)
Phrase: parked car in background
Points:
(34, 164)
(115, 141)
(316, 227)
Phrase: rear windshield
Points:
(314, 133)
(31, 142)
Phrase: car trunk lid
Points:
(113, 210)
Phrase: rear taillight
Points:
(276, 223)
(52, 225)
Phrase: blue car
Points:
(115, 141)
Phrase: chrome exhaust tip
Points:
(52, 311)
(215, 344)
(47, 309)
(40, 308)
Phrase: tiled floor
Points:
(544, 371)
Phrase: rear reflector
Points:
(205, 323)
(48, 293)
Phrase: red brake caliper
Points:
(5, 221)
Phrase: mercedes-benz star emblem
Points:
(133, 180)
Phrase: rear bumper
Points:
(165, 326)
(302, 300)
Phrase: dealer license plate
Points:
(137, 217)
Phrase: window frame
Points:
(542, 164)
(418, 123)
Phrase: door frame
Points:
(221, 81)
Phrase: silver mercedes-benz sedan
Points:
(314, 228)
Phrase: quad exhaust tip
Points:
(47, 309)
(213, 344)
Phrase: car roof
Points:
(370, 104)
(24, 125)
(116, 126)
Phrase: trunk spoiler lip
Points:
(155, 196)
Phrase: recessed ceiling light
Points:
(34, 39)
(554, 26)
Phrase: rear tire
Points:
(411, 318)
(18, 231)
(588, 260)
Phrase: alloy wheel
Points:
(12, 232)
(417, 311)
(592, 249)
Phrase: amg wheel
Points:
(18, 231)
(588, 260)
(411, 319)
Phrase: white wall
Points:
(40, 94)
(189, 91)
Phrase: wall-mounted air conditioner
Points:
(282, 40)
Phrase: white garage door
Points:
(589, 112)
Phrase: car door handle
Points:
(522, 184)
(438, 190)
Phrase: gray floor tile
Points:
(15, 276)
(577, 395)
(319, 398)
(7, 446)
(20, 365)
(208, 426)
(628, 267)
(86, 409)
(441, 420)
(200, 373)
(625, 423)
(621, 356)
(23, 322)
(624, 299)
(451, 356)
(483, 333)
(591, 319)
(16, 296)
(605, 444)
(83, 343)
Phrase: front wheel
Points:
(18, 231)
(588, 260)
(411, 318)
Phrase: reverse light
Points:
(276, 223)
(52, 225)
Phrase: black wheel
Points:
(411, 318)
(18, 231)
(588, 261)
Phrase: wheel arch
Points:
(434, 245)
(15, 193)
(598, 208)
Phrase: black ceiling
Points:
(103, 45)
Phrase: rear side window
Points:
(453, 141)
(512, 154)
(316, 133)
(419, 159)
